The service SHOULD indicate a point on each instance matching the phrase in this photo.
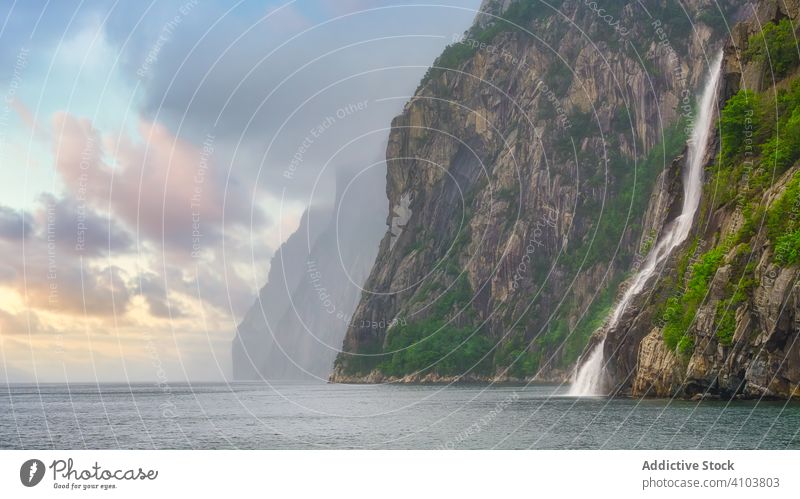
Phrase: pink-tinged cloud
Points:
(27, 117)
(165, 188)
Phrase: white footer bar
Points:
(400, 474)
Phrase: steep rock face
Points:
(740, 333)
(518, 176)
(253, 343)
(297, 323)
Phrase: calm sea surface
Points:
(292, 416)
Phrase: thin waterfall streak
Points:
(590, 377)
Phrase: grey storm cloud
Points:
(264, 85)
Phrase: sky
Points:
(154, 155)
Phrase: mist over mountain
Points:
(543, 162)
(296, 325)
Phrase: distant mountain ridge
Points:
(296, 325)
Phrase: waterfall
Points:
(590, 378)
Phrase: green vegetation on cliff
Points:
(783, 224)
(680, 310)
(629, 189)
(517, 17)
(434, 344)
(428, 346)
(629, 193)
(776, 46)
(522, 14)
(760, 141)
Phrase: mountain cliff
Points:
(295, 327)
(724, 320)
(254, 345)
(532, 170)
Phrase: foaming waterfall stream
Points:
(590, 378)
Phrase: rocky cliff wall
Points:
(723, 322)
(531, 171)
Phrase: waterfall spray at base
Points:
(590, 378)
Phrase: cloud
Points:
(181, 150)
(261, 88)
(50, 272)
(123, 227)
(151, 288)
(77, 228)
(13, 225)
(164, 187)
(77, 289)
(26, 117)
(19, 323)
